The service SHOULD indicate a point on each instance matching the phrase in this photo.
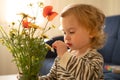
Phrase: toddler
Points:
(82, 25)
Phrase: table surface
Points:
(8, 77)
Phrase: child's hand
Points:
(60, 47)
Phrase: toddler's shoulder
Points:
(93, 53)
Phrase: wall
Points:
(109, 7)
(6, 64)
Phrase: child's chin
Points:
(72, 48)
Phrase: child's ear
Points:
(91, 35)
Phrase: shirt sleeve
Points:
(52, 74)
(59, 68)
(64, 60)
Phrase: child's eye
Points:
(72, 32)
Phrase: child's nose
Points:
(66, 37)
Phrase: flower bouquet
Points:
(28, 48)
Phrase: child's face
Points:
(75, 35)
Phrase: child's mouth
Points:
(69, 44)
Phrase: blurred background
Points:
(9, 8)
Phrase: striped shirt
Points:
(70, 67)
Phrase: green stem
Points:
(20, 25)
(44, 30)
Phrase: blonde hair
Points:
(92, 18)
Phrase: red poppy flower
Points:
(25, 23)
(47, 12)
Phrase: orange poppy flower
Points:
(47, 12)
(25, 23)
